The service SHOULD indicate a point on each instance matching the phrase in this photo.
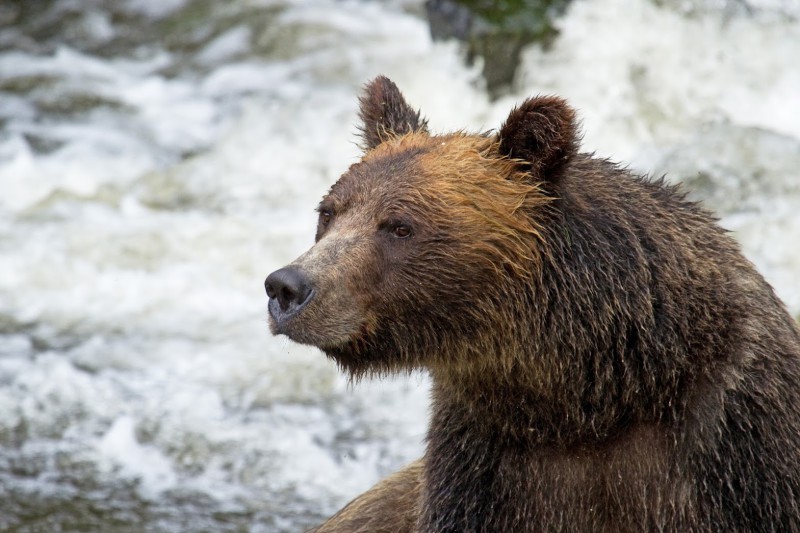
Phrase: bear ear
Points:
(384, 113)
(542, 132)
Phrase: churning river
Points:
(158, 158)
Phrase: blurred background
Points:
(158, 158)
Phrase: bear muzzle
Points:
(289, 291)
(319, 298)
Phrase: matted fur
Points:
(603, 357)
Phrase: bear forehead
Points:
(389, 178)
(404, 169)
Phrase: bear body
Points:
(603, 358)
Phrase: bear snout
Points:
(289, 290)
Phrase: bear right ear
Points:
(543, 133)
(384, 113)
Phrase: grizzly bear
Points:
(602, 356)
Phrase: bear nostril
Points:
(270, 290)
(289, 286)
(286, 296)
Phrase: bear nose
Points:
(290, 287)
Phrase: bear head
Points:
(424, 246)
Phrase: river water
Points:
(159, 158)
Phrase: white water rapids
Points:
(159, 158)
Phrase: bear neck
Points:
(502, 420)
(511, 408)
(524, 388)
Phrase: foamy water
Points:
(159, 159)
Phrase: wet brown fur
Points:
(603, 357)
(391, 506)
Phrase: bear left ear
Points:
(385, 113)
(542, 131)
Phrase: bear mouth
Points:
(332, 339)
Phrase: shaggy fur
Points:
(603, 357)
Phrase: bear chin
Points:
(352, 354)
(367, 355)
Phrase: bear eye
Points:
(401, 231)
(396, 228)
(325, 217)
